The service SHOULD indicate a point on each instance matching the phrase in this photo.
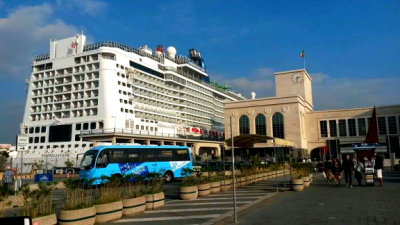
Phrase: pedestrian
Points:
(379, 168)
(348, 167)
(336, 170)
(8, 178)
(328, 170)
(359, 168)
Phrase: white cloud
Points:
(90, 7)
(26, 32)
(261, 81)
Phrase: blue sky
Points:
(352, 47)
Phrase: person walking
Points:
(8, 178)
(328, 170)
(379, 169)
(336, 170)
(348, 167)
(359, 168)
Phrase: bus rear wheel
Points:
(168, 176)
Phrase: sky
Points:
(352, 48)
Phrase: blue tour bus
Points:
(135, 159)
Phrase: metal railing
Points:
(149, 133)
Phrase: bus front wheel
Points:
(168, 176)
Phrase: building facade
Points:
(290, 115)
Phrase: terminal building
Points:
(290, 115)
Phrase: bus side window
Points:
(149, 155)
(181, 155)
(102, 159)
(132, 155)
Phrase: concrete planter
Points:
(297, 184)
(154, 201)
(45, 220)
(225, 185)
(133, 206)
(108, 212)
(85, 216)
(204, 189)
(187, 193)
(306, 181)
(311, 177)
(215, 186)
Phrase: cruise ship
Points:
(80, 88)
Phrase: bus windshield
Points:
(89, 159)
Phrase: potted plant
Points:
(297, 180)
(38, 203)
(154, 192)
(108, 202)
(203, 185)
(133, 199)
(188, 189)
(78, 204)
(215, 184)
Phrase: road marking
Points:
(167, 218)
(209, 203)
(188, 210)
(230, 194)
(214, 199)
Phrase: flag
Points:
(302, 54)
(372, 135)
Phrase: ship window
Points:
(83, 145)
(41, 147)
(62, 146)
(35, 147)
(85, 126)
(101, 125)
(76, 145)
(78, 126)
(37, 130)
(31, 140)
(92, 125)
(122, 110)
(31, 130)
(43, 130)
(77, 138)
(42, 139)
(36, 139)
(60, 133)
(155, 128)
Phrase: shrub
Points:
(76, 196)
(38, 202)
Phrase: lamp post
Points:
(233, 173)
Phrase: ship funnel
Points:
(253, 95)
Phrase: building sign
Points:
(55, 155)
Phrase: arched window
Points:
(244, 127)
(261, 125)
(278, 127)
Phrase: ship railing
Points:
(149, 133)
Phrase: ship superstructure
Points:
(80, 87)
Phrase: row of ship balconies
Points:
(174, 101)
(66, 88)
(191, 87)
(65, 97)
(64, 114)
(181, 92)
(64, 106)
(40, 73)
(80, 78)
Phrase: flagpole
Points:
(304, 61)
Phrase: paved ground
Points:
(205, 209)
(327, 204)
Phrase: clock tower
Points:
(293, 83)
